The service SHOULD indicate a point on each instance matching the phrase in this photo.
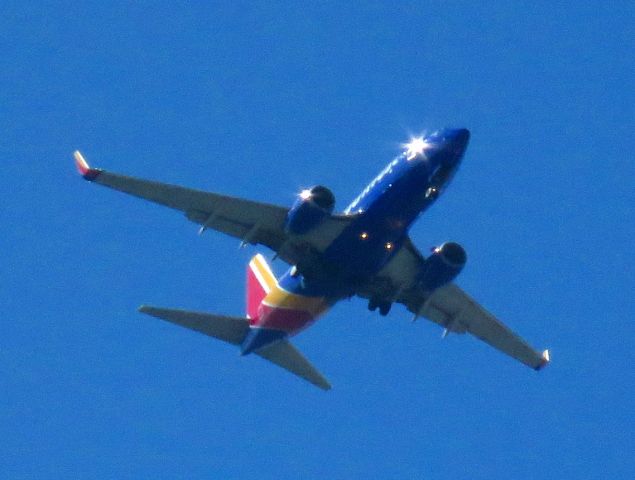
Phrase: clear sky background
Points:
(260, 100)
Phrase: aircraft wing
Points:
(450, 307)
(251, 222)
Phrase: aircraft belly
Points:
(369, 243)
(366, 246)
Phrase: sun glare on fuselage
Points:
(416, 146)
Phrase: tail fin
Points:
(260, 281)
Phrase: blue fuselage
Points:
(385, 210)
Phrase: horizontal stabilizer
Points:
(228, 329)
(288, 357)
(233, 330)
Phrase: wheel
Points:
(384, 308)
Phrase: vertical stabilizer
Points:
(260, 281)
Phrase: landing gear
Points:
(384, 307)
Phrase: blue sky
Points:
(260, 100)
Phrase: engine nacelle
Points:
(440, 268)
(312, 206)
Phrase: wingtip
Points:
(83, 168)
(323, 384)
(544, 360)
(144, 308)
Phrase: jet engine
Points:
(312, 206)
(440, 268)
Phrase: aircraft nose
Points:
(457, 138)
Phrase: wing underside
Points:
(449, 306)
(456, 311)
(249, 221)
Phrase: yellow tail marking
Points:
(280, 298)
(260, 266)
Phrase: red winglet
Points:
(83, 168)
(544, 361)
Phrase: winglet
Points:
(83, 168)
(544, 361)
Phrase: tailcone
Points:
(257, 338)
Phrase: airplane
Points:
(364, 251)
